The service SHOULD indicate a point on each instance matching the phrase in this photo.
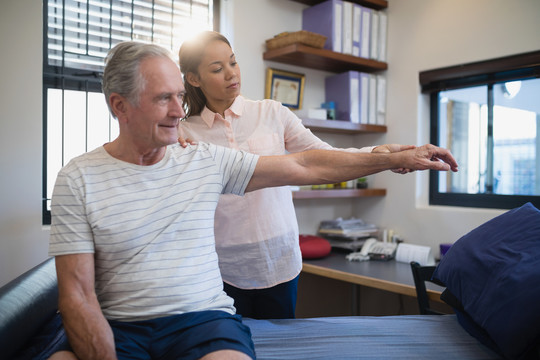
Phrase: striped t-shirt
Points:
(151, 228)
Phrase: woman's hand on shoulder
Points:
(185, 142)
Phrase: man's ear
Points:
(119, 106)
(193, 79)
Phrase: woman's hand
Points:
(185, 142)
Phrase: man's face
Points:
(153, 122)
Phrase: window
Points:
(488, 114)
(77, 37)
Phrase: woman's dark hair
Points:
(190, 55)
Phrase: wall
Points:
(422, 35)
(425, 35)
(23, 242)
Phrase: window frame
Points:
(65, 78)
(510, 68)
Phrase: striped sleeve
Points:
(236, 166)
(70, 231)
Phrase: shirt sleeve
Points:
(70, 232)
(237, 167)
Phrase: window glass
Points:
(515, 123)
(492, 131)
(463, 129)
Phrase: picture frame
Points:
(285, 87)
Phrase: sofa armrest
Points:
(27, 303)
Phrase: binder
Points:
(381, 100)
(366, 30)
(374, 36)
(364, 98)
(347, 30)
(326, 19)
(383, 25)
(372, 98)
(344, 90)
(356, 29)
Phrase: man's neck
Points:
(134, 155)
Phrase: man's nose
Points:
(177, 109)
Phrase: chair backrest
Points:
(421, 274)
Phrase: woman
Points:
(257, 234)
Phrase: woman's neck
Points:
(219, 107)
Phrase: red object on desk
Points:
(313, 247)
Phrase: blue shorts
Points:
(186, 336)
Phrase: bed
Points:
(492, 278)
(387, 337)
(30, 328)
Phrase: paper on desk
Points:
(421, 254)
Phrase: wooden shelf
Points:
(322, 59)
(342, 127)
(374, 4)
(337, 193)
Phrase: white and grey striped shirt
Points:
(151, 228)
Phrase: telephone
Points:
(378, 250)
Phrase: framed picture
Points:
(285, 87)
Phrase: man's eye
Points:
(164, 98)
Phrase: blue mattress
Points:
(387, 337)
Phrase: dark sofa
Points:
(30, 326)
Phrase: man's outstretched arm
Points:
(327, 167)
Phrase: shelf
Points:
(374, 4)
(322, 59)
(337, 193)
(342, 127)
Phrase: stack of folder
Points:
(359, 97)
(350, 28)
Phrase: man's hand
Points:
(391, 148)
(429, 157)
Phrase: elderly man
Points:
(132, 221)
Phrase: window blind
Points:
(80, 32)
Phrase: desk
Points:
(390, 275)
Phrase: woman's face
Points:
(219, 74)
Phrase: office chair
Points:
(421, 274)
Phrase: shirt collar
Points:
(236, 108)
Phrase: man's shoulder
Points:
(87, 158)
